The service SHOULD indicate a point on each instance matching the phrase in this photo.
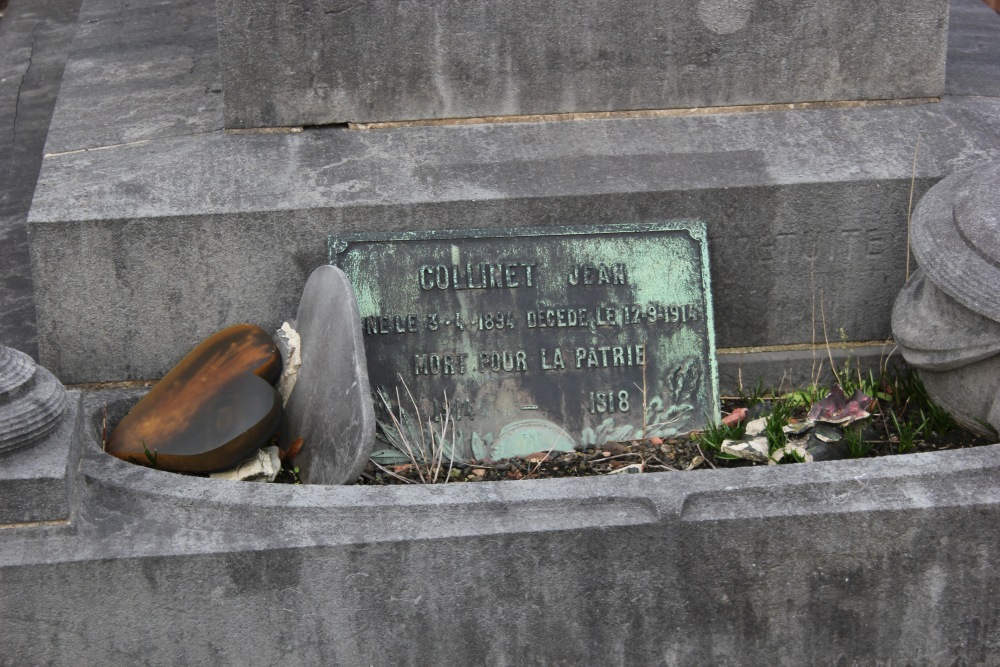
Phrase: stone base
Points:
(175, 229)
(34, 485)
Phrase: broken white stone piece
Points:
(290, 345)
(798, 451)
(752, 450)
(755, 427)
(263, 466)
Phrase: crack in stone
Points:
(17, 104)
(343, 10)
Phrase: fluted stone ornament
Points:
(955, 235)
(946, 321)
(32, 401)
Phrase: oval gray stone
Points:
(330, 406)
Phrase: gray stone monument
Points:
(947, 319)
(797, 203)
(175, 228)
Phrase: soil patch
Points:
(902, 420)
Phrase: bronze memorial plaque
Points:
(540, 338)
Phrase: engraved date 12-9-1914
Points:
(536, 318)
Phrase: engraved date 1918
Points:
(609, 401)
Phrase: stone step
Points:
(390, 61)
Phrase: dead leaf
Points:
(735, 417)
(838, 409)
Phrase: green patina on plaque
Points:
(544, 338)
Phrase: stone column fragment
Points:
(946, 320)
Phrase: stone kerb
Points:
(115, 497)
(330, 62)
(887, 551)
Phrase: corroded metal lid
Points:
(955, 236)
(32, 400)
